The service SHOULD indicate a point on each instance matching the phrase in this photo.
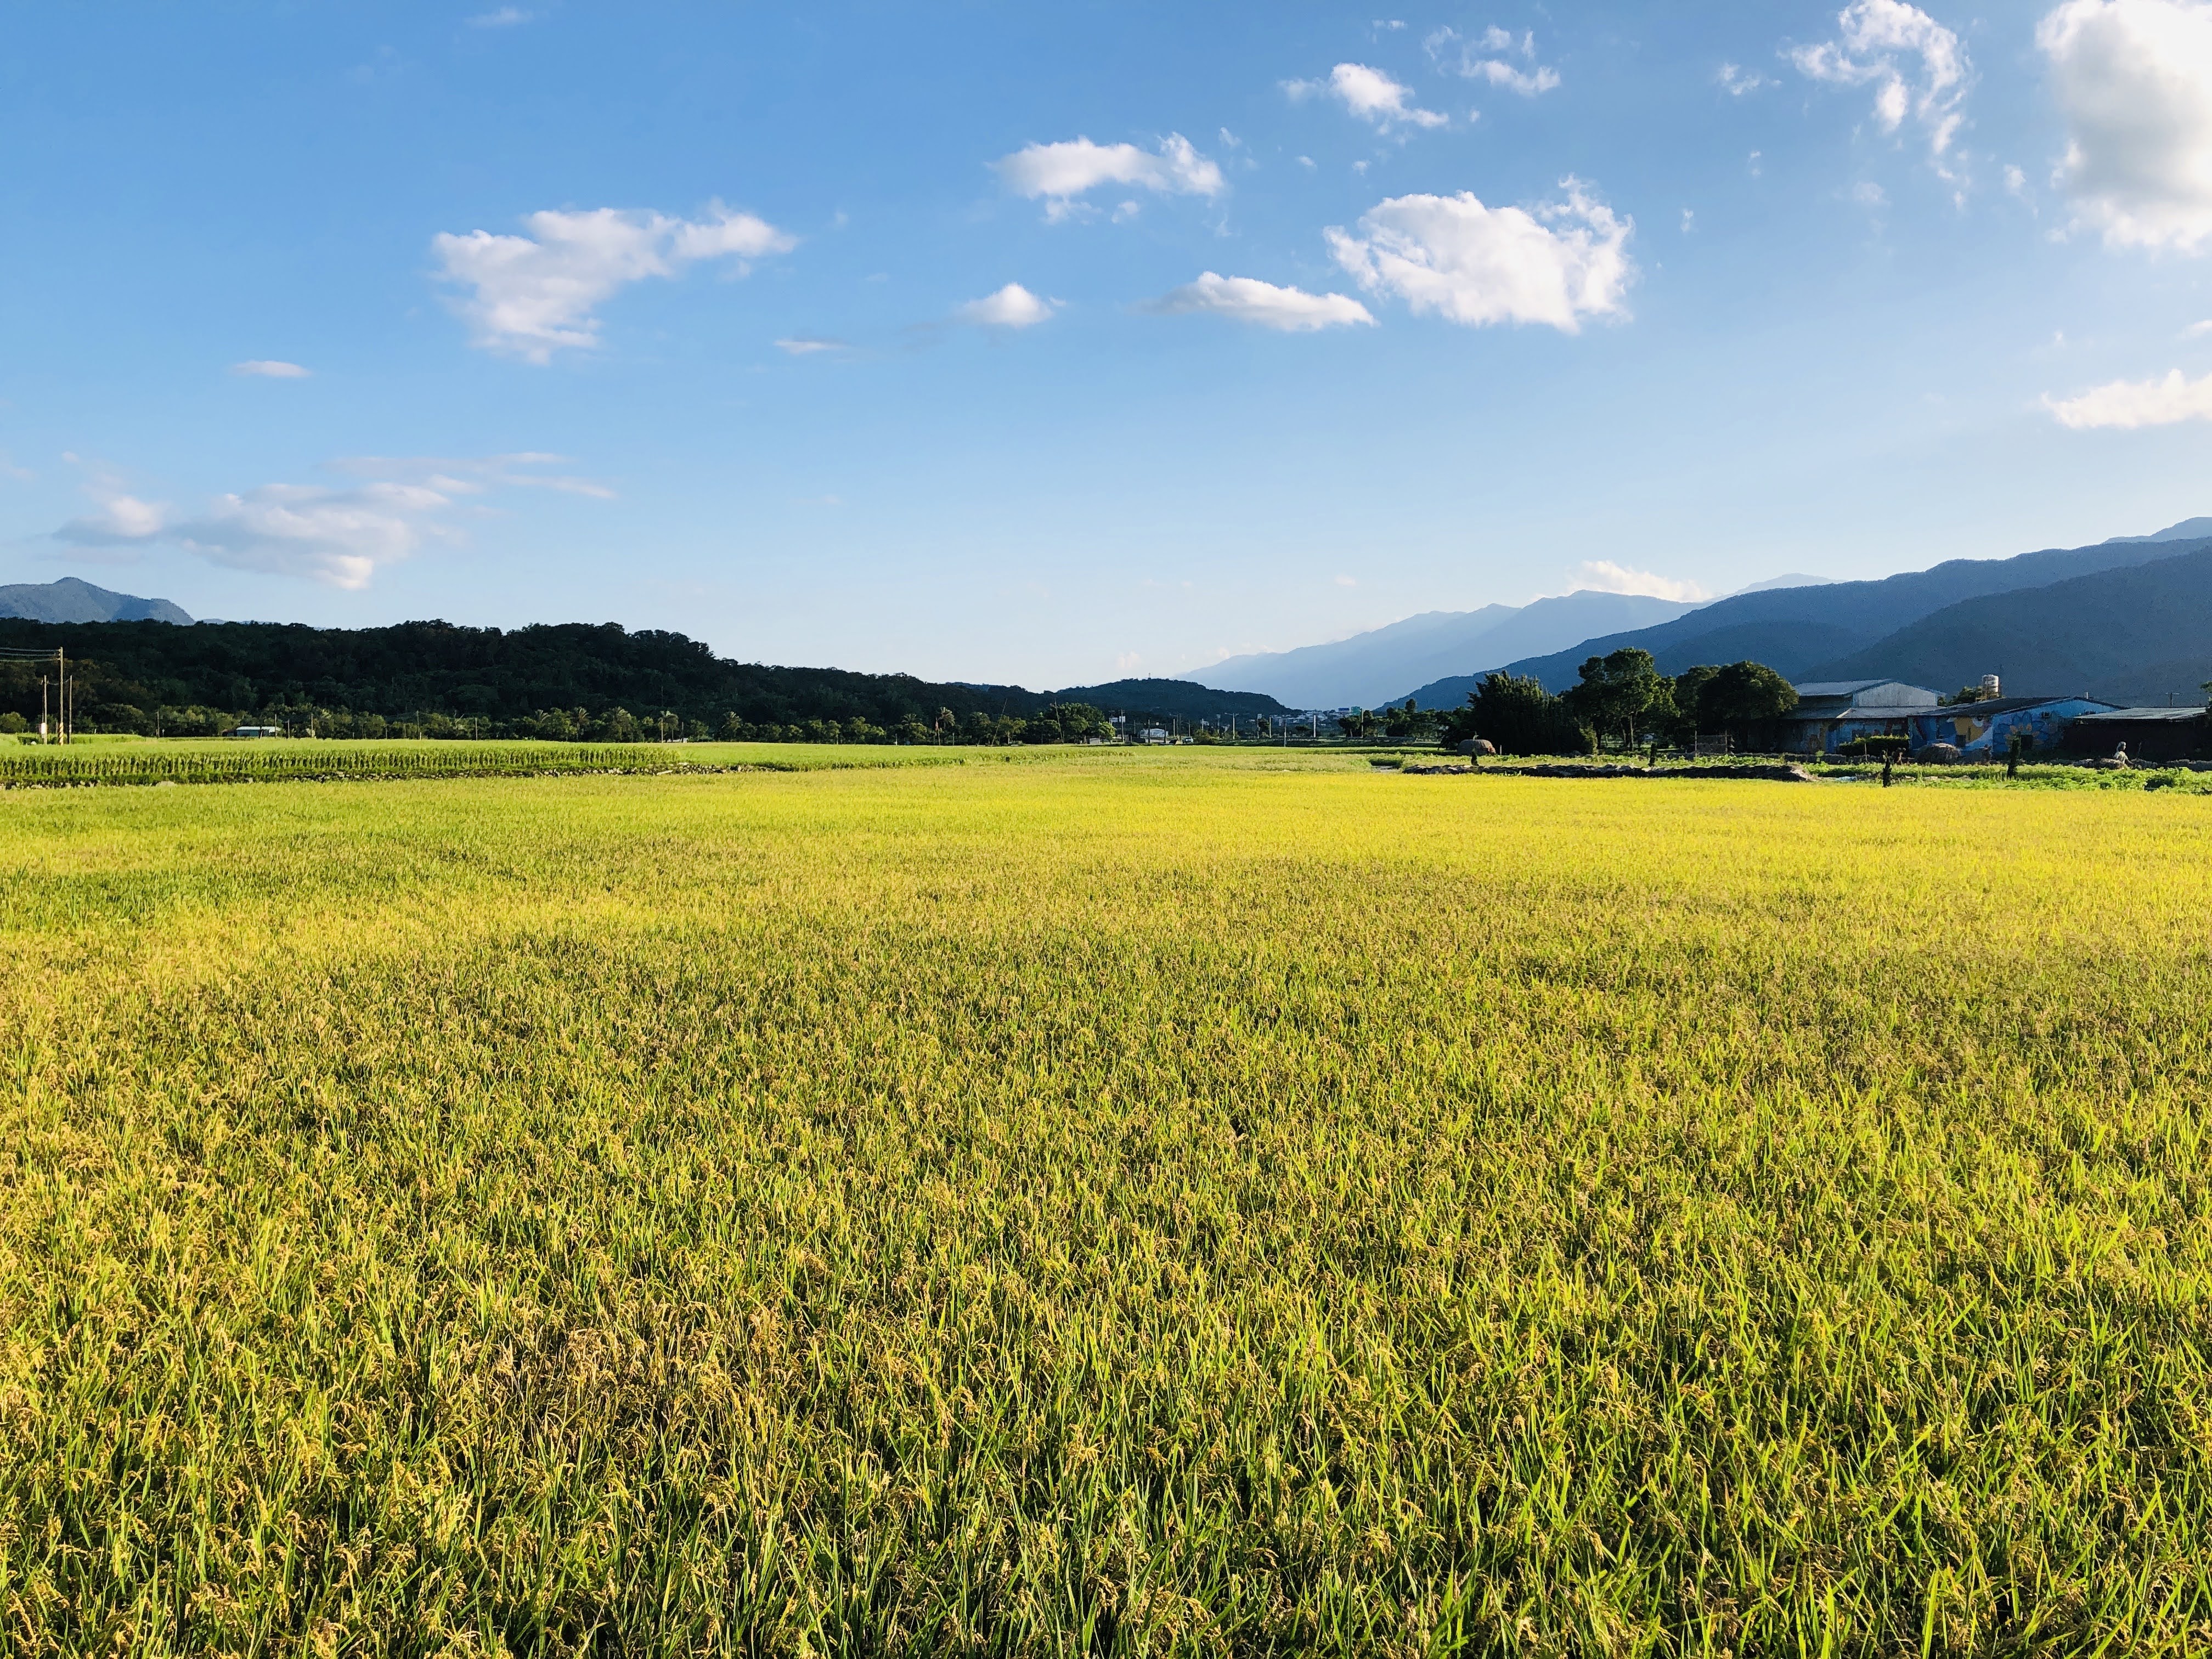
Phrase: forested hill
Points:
(525, 681)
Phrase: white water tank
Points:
(1990, 688)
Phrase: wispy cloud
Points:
(1917, 67)
(269, 368)
(2131, 403)
(1059, 174)
(339, 534)
(1604, 576)
(1489, 57)
(1735, 80)
(535, 294)
(1247, 300)
(505, 18)
(1371, 95)
(807, 345)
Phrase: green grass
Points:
(1104, 1202)
(280, 760)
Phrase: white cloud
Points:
(1868, 194)
(535, 294)
(1059, 174)
(1737, 80)
(2134, 81)
(10, 470)
(1011, 307)
(1457, 55)
(1347, 581)
(338, 534)
(2129, 403)
(1250, 301)
(1369, 95)
(2196, 329)
(505, 18)
(1604, 576)
(268, 368)
(1876, 38)
(806, 346)
(1476, 265)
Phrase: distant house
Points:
(255, 732)
(1830, 712)
(1983, 731)
(2150, 734)
(1154, 734)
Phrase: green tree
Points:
(1743, 697)
(1514, 712)
(1616, 693)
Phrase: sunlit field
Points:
(1102, 1202)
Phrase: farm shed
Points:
(2151, 734)
(1833, 712)
(1983, 731)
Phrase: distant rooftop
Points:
(2115, 716)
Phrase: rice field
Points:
(1103, 1202)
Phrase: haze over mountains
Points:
(2127, 619)
(1364, 670)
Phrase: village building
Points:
(1831, 712)
(2152, 735)
(1986, 730)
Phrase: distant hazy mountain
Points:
(69, 600)
(1774, 582)
(1797, 630)
(1365, 670)
(2139, 634)
(2188, 530)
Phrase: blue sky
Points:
(1050, 343)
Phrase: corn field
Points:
(1112, 1203)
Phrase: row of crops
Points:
(154, 764)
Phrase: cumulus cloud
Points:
(1604, 576)
(341, 534)
(535, 294)
(268, 368)
(2129, 404)
(1490, 59)
(1737, 80)
(1916, 66)
(1059, 174)
(1470, 264)
(2134, 81)
(1011, 307)
(1248, 299)
(1371, 95)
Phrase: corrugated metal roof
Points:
(1991, 705)
(2117, 716)
(1836, 688)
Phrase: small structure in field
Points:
(2148, 735)
(255, 732)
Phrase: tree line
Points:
(1622, 701)
(599, 683)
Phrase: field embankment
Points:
(1192, 1202)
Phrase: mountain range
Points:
(1925, 623)
(1362, 671)
(69, 600)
